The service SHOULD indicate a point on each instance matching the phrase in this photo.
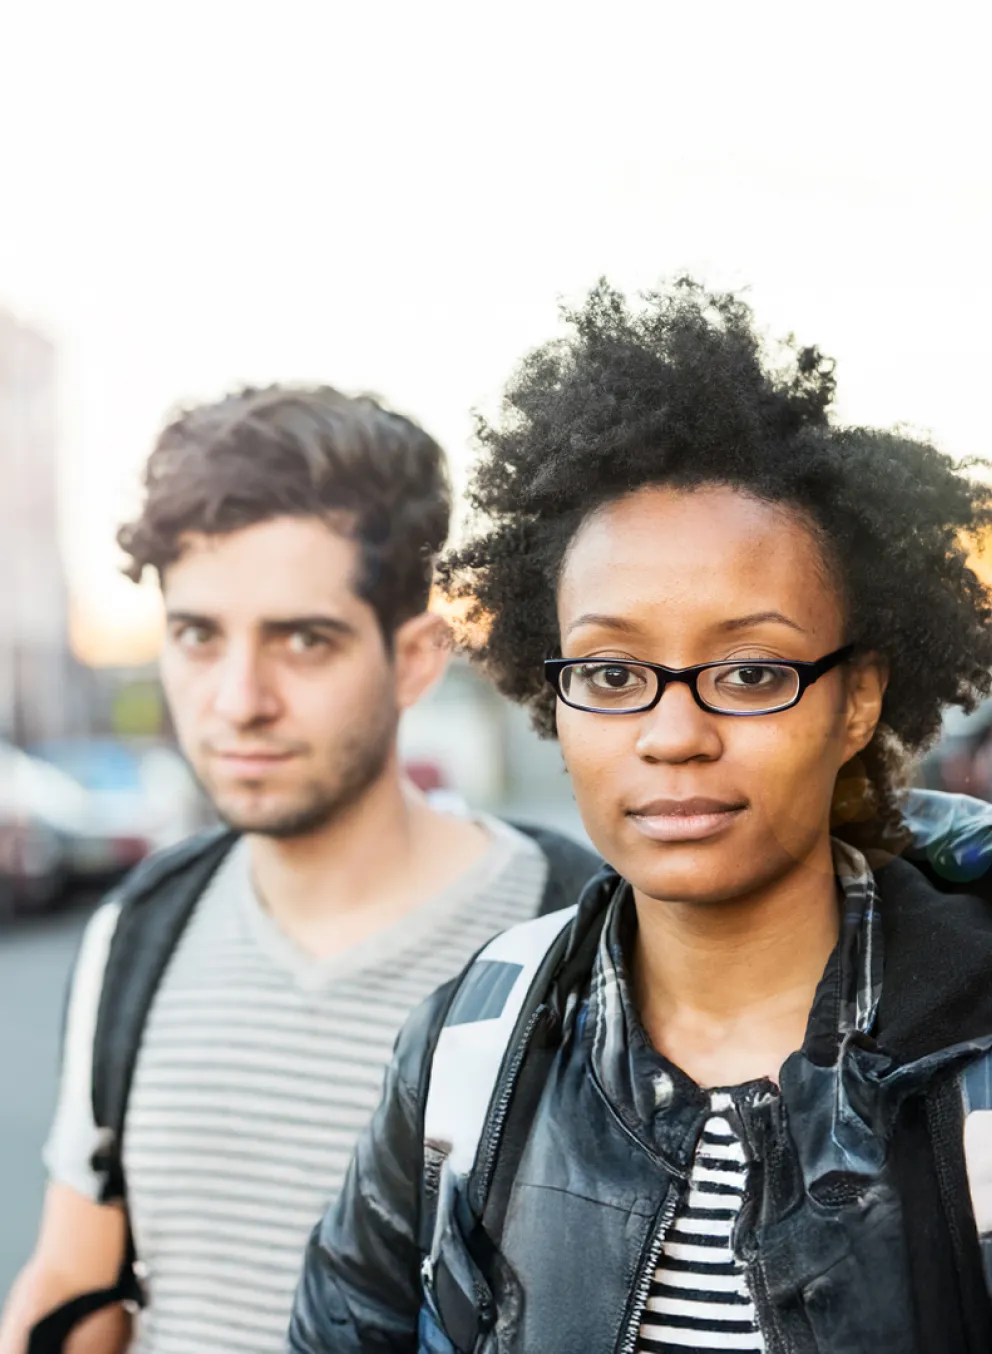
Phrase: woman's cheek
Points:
(598, 762)
(790, 788)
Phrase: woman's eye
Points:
(614, 676)
(604, 681)
(753, 674)
(754, 687)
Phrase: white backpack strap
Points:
(476, 1034)
(976, 1096)
(75, 1137)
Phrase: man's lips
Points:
(684, 820)
(250, 759)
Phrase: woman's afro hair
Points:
(681, 390)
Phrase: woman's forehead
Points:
(707, 558)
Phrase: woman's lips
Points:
(690, 821)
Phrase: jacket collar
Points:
(656, 1099)
(846, 1006)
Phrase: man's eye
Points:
(193, 636)
(305, 641)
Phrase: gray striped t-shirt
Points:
(258, 1068)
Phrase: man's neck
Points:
(375, 862)
(725, 990)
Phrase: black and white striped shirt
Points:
(699, 1297)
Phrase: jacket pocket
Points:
(458, 1306)
(431, 1339)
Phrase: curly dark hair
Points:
(682, 391)
(301, 452)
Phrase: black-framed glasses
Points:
(620, 686)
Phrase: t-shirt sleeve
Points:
(74, 1138)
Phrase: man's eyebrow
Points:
(282, 625)
(288, 624)
(188, 618)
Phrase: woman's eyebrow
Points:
(630, 627)
(605, 623)
(759, 618)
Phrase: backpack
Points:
(154, 904)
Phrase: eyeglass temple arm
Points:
(823, 665)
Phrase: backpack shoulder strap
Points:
(473, 1069)
(480, 1028)
(124, 956)
(570, 866)
(975, 1084)
(154, 904)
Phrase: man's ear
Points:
(867, 679)
(421, 651)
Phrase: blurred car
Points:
(86, 812)
(450, 742)
(430, 780)
(961, 760)
(140, 797)
(40, 812)
(30, 862)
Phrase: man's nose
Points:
(677, 729)
(245, 693)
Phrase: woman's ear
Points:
(421, 652)
(867, 678)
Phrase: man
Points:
(241, 999)
(743, 1093)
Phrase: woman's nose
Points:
(678, 729)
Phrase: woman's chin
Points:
(692, 872)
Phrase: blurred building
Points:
(38, 697)
(464, 736)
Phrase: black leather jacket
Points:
(857, 1230)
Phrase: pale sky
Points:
(394, 196)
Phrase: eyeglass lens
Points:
(732, 688)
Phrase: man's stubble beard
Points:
(360, 766)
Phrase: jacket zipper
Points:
(493, 1131)
(663, 1221)
(747, 1253)
(662, 1224)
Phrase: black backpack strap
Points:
(154, 904)
(570, 866)
(49, 1335)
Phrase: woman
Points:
(736, 1115)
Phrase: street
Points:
(35, 958)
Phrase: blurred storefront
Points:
(40, 694)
